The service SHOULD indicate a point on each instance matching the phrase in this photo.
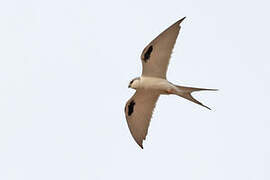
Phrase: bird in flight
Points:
(153, 82)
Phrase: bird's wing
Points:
(138, 112)
(156, 55)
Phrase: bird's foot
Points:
(169, 91)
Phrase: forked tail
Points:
(185, 92)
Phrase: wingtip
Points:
(181, 20)
(141, 145)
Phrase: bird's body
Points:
(153, 83)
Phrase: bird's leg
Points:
(169, 91)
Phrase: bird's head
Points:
(134, 83)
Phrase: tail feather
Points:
(185, 92)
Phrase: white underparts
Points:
(162, 85)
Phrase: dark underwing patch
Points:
(147, 54)
(131, 107)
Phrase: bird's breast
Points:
(150, 83)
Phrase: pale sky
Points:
(64, 70)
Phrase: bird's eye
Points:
(131, 82)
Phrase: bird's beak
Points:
(129, 86)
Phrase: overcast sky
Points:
(64, 70)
